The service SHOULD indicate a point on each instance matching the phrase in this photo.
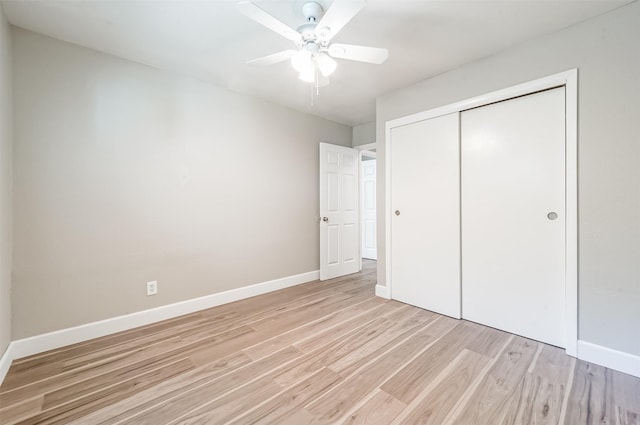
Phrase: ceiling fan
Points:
(314, 55)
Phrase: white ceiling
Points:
(211, 40)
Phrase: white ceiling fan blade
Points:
(260, 16)
(274, 58)
(352, 52)
(337, 16)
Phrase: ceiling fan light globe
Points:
(326, 64)
(308, 75)
(302, 61)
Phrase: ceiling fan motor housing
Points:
(307, 31)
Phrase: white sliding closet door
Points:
(425, 215)
(513, 215)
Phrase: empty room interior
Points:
(320, 212)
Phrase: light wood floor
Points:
(321, 353)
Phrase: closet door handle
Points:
(397, 212)
(552, 215)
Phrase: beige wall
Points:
(5, 181)
(125, 174)
(363, 134)
(605, 50)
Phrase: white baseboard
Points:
(613, 359)
(382, 291)
(5, 361)
(49, 341)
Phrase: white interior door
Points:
(425, 215)
(339, 219)
(513, 215)
(368, 196)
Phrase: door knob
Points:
(325, 219)
(552, 215)
(397, 212)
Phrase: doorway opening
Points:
(368, 222)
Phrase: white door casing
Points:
(425, 220)
(368, 205)
(513, 254)
(339, 216)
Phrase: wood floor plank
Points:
(19, 411)
(357, 358)
(298, 417)
(332, 406)
(370, 308)
(365, 340)
(325, 355)
(70, 351)
(490, 402)
(186, 401)
(188, 331)
(64, 413)
(79, 369)
(276, 299)
(629, 389)
(553, 364)
(542, 391)
(214, 350)
(147, 399)
(487, 341)
(89, 386)
(221, 410)
(205, 333)
(380, 409)
(130, 364)
(435, 402)
(627, 398)
(626, 417)
(327, 336)
(277, 324)
(414, 378)
(536, 401)
(278, 408)
(590, 401)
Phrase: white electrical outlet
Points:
(152, 287)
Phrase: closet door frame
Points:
(568, 79)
